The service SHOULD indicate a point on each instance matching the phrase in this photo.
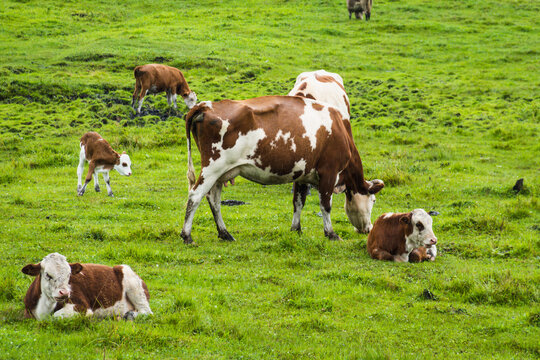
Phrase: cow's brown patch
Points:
(317, 106)
(99, 151)
(309, 96)
(328, 79)
(32, 296)
(302, 86)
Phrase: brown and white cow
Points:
(323, 86)
(64, 290)
(276, 140)
(156, 78)
(359, 7)
(101, 159)
(395, 236)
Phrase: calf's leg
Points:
(96, 182)
(299, 199)
(214, 200)
(80, 168)
(91, 168)
(107, 182)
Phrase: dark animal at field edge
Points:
(359, 8)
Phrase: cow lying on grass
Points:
(395, 236)
(64, 289)
(156, 78)
(276, 140)
(101, 159)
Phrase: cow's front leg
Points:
(67, 311)
(107, 183)
(169, 98)
(196, 194)
(214, 200)
(299, 199)
(326, 187)
(91, 168)
(174, 101)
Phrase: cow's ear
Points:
(374, 186)
(32, 269)
(405, 219)
(75, 268)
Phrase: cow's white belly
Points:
(265, 177)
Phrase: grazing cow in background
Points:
(395, 236)
(156, 78)
(101, 159)
(64, 289)
(323, 86)
(359, 7)
(276, 140)
(422, 254)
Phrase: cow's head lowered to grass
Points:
(358, 206)
(54, 272)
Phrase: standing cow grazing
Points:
(156, 78)
(64, 290)
(276, 140)
(359, 7)
(101, 159)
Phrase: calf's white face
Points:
(422, 231)
(55, 272)
(124, 168)
(191, 100)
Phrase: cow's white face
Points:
(422, 231)
(55, 273)
(190, 100)
(124, 168)
(358, 210)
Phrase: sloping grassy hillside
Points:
(444, 100)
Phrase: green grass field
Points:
(444, 101)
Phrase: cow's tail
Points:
(195, 114)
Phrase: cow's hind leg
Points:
(96, 182)
(299, 199)
(196, 194)
(136, 93)
(214, 200)
(141, 98)
(107, 183)
(80, 168)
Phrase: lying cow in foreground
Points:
(101, 159)
(156, 78)
(395, 236)
(323, 86)
(64, 289)
(276, 140)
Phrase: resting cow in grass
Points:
(276, 140)
(63, 290)
(101, 159)
(156, 78)
(395, 236)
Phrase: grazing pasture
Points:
(444, 107)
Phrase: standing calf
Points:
(359, 7)
(101, 159)
(156, 78)
(395, 236)
(64, 289)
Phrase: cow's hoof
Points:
(333, 236)
(297, 229)
(187, 239)
(129, 316)
(80, 193)
(111, 194)
(97, 189)
(79, 187)
(225, 236)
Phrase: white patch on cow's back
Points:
(219, 145)
(313, 120)
(388, 215)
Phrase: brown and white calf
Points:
(156, 78)
(359, 7)
(395, 236)
(276, 140)
(323, 86)
(64, 290)
(423, 254)
(101, 159)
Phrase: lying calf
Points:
(395, 236)
(101, 159)
(64, 289)
(422, 254)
